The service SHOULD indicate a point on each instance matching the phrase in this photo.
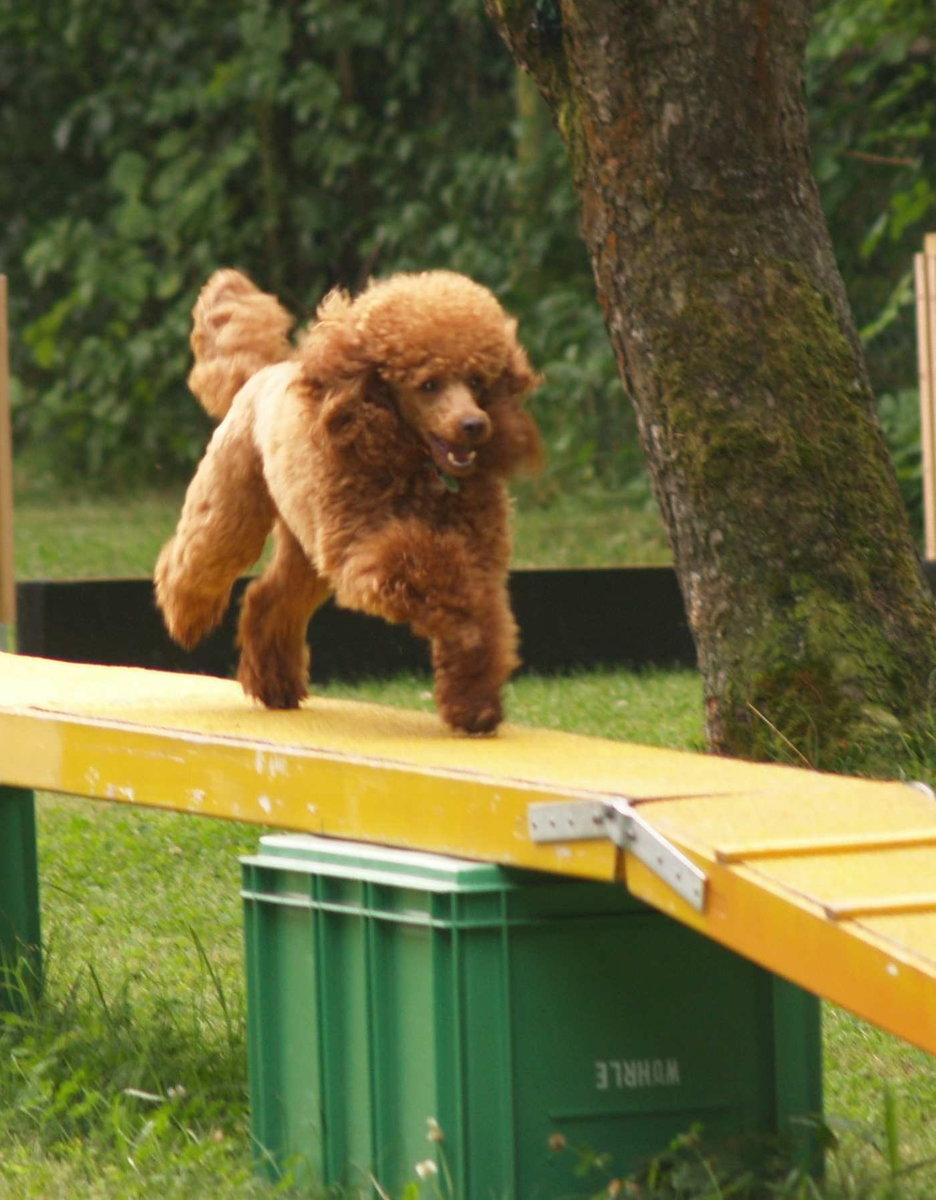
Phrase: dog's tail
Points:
(237, 329)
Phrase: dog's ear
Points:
(519, 377)
(334, 365)
(352, 406)
(515, 444)
(361, 423)
(331, 349)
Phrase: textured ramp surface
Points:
(829, 881)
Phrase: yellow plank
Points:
(809, 808)
(906, 929)
(884, 906)
(830, 896)
(289, 787)
(847, 879)
(793, 847)
(566, 762)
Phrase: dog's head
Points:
(435, 352)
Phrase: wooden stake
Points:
(7, 587)
(925, 274)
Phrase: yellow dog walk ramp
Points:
(828, 881)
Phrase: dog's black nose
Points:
(474, 427)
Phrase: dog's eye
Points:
(476, 383)
(429, 385)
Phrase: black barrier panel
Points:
(569, 619)
(601, 617)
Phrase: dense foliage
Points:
(873, 107)
(312, 143)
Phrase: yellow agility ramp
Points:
(826, 880)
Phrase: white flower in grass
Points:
(427, 1168)
(433, 1130)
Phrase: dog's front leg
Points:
(431, 582)
(474, 653)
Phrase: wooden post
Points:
(7, 588)
(925, 272)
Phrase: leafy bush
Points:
(900, 419)
(306, 143)
(311, 144)
(873, 111)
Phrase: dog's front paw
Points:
(476, 716)
(275, 693)
(285, 688)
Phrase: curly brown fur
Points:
(379, 447)
(236, 331)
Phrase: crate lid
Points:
(338, 857)
(528, 895)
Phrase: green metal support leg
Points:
(20, 947)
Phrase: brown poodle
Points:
(377, 450)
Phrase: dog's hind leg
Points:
(225, 520)
(274, 662)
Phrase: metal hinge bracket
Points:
(619, 821)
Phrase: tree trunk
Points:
(687, 133)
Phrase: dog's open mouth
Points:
(451, 458)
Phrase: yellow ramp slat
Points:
(826, 880)
(849, 913)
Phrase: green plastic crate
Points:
(386, 987)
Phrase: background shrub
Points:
(312, 144)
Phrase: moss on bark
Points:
(804, 592)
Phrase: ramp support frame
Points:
(619, 821)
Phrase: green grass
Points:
(87, 537)
(129, 1075)
(595, 529)
(881, 1100)
(128, 1078)
(658, 708)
